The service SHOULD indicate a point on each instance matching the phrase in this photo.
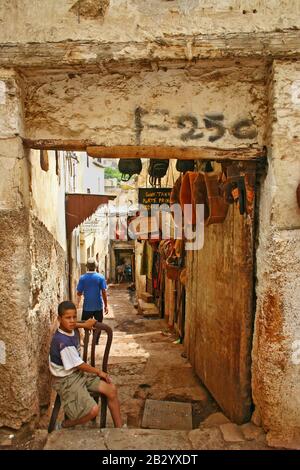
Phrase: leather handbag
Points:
(217, 205)
(199, 193)
(129, 167)
(175, 193)
(186, 195)
(157, 170)
(207, 191)
(185, 165)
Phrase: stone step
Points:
(117, 439)
(202, 438)
(147, 297)
(147, 309)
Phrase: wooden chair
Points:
(98, 328)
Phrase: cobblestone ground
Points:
(147, 362)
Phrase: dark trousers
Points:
(97, 314)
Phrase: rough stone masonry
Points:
(151, 72)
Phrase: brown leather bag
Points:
(217, 205)
(207, 191)
(199, 193)
(186, 194)
(175, 193)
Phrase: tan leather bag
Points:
(199, 193)
(186, 194)
(175, 193)
(217, 205)
(207, 191)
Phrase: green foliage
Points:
(112, 173)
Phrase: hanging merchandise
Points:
(234, 188)
(179, 247)
(157, 170)
(199, 193)
(166, 224)
(173, 267)
(186, 196)
(208, 168)
(144, 228)
(175, 193)
(183, 276)
(217, 206)
(207, 190)
(185, 165)
(129, 167)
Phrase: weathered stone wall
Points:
(17, 392)
(139, 20)
(221, 105)
(32, 266)
(48, 287)
(48, 259)
(276, 387)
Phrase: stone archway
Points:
(112, 108)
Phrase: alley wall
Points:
(33, 264)
(221, 103)
(276, 387)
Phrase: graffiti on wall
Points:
(211, 127)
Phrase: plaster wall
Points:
(48, 194)
(277, 326)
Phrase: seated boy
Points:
(73, 378)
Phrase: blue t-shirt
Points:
(91, 285)
(64, 355)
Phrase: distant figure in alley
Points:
(92, 286)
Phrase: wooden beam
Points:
(147, 151)
(276, 44)
(182, 153)
(54, 144)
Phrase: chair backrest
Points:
(98, 328)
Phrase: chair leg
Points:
(103, 411)
(54, 414)
(97, 401)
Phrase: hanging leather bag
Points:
(207, 191)
(129, 167)
(175, 193)
(157, 170)
(217, 206)
(185, 165)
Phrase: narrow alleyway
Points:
(147, 362)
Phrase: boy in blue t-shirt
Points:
(92, 286)
(73, 378)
